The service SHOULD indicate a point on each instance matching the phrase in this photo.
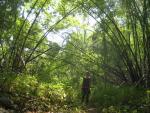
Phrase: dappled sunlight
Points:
(74, 56)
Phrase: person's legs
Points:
(83, 96)
(87, 98)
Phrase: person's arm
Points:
(83, 82)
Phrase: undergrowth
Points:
(31, 94)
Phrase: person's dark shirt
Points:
(86, 82)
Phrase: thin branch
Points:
(25, 38)
(47, 32)
(21, 28)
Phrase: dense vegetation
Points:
(109, 38)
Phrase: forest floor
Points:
(86, 110)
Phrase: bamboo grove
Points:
(120, 42)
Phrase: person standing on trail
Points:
(86, 87)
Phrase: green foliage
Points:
(113, 99)
(32, 87)
(124, 109)
(37, 94)
(25, 82)
(113, 95)
(44, 75)
(46, 96)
